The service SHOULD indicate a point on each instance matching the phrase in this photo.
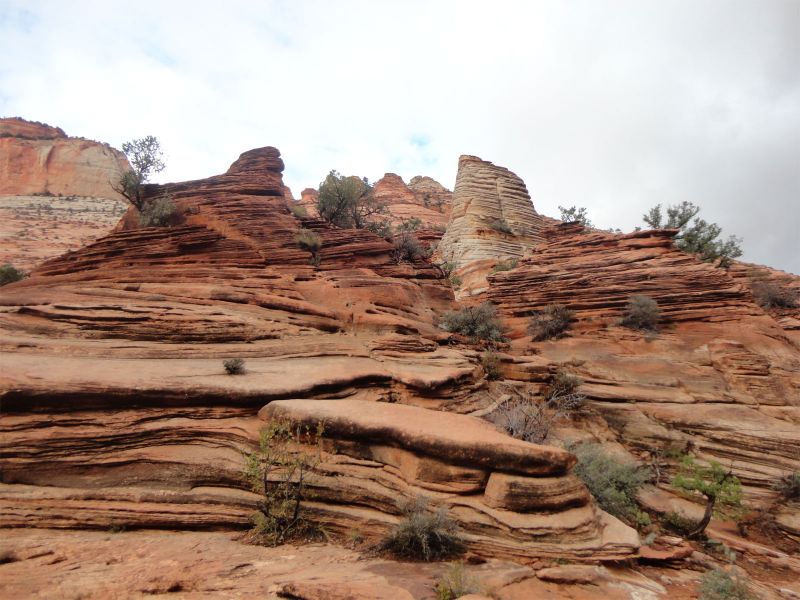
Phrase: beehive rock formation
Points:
(39, 159)
(492, 215)
(117, 410)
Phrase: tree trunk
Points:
(701, 526)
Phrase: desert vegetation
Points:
(641, 312)
(280, 474)
(455, 583)
(146, 158)
(770, 294)
(407, 248)
(788, 486)
(158, 212)
(612, 481)
(491, 365)
(696, 235)
(424, 533)
(234, 366)
(479, 323)
(575, 214)
(501, 225)
(505, 265)
(309, 241)
(348, 202)
(719, 487)
(718, 584)
(531, 420)
(9, 274)
(552, 322)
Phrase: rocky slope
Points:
(117, 411)
(113, 355)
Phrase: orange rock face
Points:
(38, 159)
(427, 201)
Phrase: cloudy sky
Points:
(612, 105)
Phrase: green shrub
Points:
(563, 385)
(680, 522)
(719, 486)
(447, 268)
(409, 225)
(550, 323)
(299, 211)
(641, 312)
(491, 365)
(505, 265)
(476, 322)
(575, 214)
(771, 295)
(788, 486)
(455, 281)
(423, 534)
(159, 212)
(720, 585)
(500, 225)
(456, 583)
(9, 274)
(233, 366)
(612, 482)
(281, 475)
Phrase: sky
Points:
(614, 105)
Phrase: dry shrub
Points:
(159, 212)
(423, 534)
(772, 295)
(550, 323)
(491, 365)
(641, 312)
(476, 322)
(9, 274)
(233, 366)
(406, 248)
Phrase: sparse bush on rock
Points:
(505, 265)
(310, 242)
(788, 486)
(772, 295)
(158, 212)
(233, 366)
(575, 214)
(501, 225)
(721, 585)
(9, 274)
(612, 482)
(477, 322)
(550, 323)
(680, 522)
(718, 485)
(491, 365)
(281, 475)
(530, 420)
(299, 211)
(641, 312)
(424, 534)
(455, 583)
(406, 248)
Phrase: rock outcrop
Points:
(117, 410)
(492, 215)
(721, 376)
(39, 159)
(428, 201)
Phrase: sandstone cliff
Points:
(39, 159)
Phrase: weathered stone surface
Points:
(36, 158)
(524, 494)
(487, 199)
(429, 202)
(359, 485)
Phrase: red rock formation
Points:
(134, 328)
(429, 202)
(39, 159)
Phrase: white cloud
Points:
(611, 105)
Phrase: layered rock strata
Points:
(720, 377)
(39, 159)
(492, 215)
(428, 201)
(511, 499)
(117, 410)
